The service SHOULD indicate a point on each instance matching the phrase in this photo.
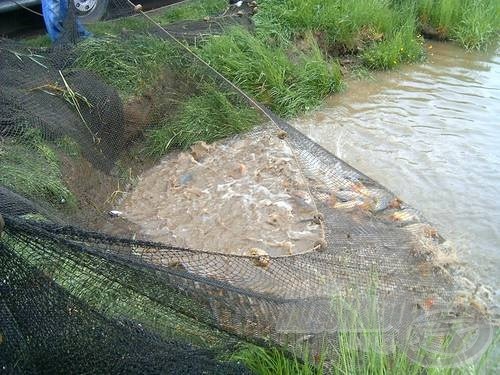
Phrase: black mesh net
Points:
(86, 289)
(45, 329)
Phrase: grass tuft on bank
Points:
(401, 48)
(363, 353)
(131, 64)
(207, 117)
(273, 361)
(288, 81)
(376, 29)
(346, 24)
(474, 24)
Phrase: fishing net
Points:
(97, 277)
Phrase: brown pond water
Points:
(244, 196)
(431, 134)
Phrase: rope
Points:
(253, 102)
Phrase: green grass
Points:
(361, 349)
(472, 23)
(345, 23)
(289, 82)
(348, 360)
(272, 361)
(69, 146)
(31, 168)
(346, 27)
(384, 32)
(38, 41)
(192, 10)
(206, 117)
(126, 25)
(402, 47)
(478, 26)
(130, 64)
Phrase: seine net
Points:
(87, 287)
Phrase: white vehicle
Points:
(88, 11)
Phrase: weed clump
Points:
(402, 47)
(474, 24)
(349, 27)
(383, 32)
(289, 82)
(347, 24)
(207, 117)
(130, 64)
(264, 361)
(363, 346)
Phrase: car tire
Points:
(97, 12)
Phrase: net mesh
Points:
(81, 292)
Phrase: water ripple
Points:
(430, 133)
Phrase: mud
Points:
(239, 196)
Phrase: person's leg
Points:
(51, 10)
(54, 14)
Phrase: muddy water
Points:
(243, 196)
(431, 134)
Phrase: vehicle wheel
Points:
(90, 11)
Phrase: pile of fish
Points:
(243, 196)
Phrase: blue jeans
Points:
(54, 13)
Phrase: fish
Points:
(199, 150)
(302, 235)
(348, 205)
